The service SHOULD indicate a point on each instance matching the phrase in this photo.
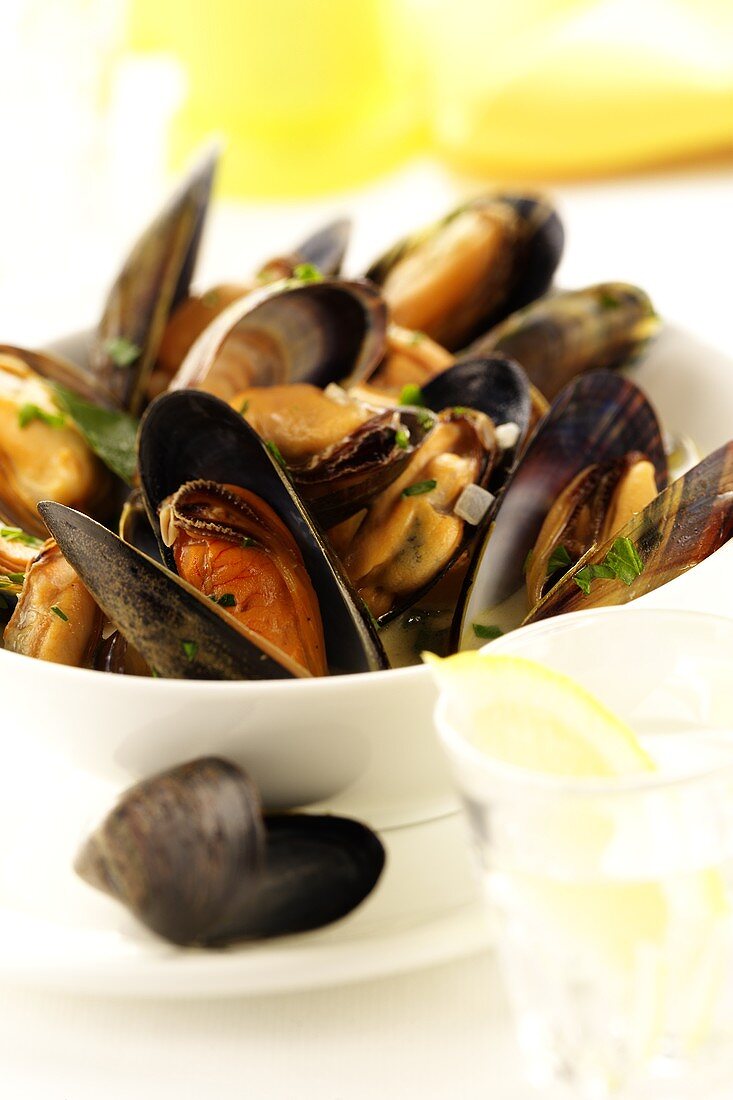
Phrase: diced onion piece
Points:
(473, 504)
(507, 435)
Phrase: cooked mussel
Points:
(189, 436)
(410, 358)
(230, 545)
(600, 416)
(417, 527)
(589, 511)
(559, 337)
(42, 453)
(454, 279)
(190, 854)
(681, 527)
(299, 419)
(320, 253)
(154, 279)
(55, 619)
(319, 332)
(178, 632)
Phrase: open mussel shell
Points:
(493, 385)
(325, 249)
(154, 279)
(457, 277)
(319, 332)
(135, 526)
(340, 481)
(681, 527)
(55, 367)
(188, 852)
(189, 436)
(599, 417)
(559, 337)
(181, 849)
(178, 632)
(318, 868)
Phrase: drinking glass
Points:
(614, 897)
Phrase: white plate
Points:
(56, 932)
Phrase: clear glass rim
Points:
(498, 773)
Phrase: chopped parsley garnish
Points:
(419, 488)
(275, 452)
(122, 351)
(425, 419)
(247, 542)
(211, 299)
(459, 410)
(622, 562)
(15, 534)
(28, 413)
(559, 559)
(111, 434)
(411, 395)
(226, 600)
(402, 438)
(488, 632)
(416, 337)
(190, 649)
(307, 273)
(609, 301)
(154, 672)
(57, 611)
(15, 578)
(244, 406)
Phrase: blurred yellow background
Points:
(316, 95)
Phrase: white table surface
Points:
(440, 1033)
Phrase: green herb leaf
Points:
(190, 649)
(111, 434)
(28, 413)
(15, 578)
(559, 559)
(275, 452)
(247, 542)
(609, 301)
(307, 273)
(402, 438)
(425, 419)
(15, 534)
(589, 573)
(227, 600)
(244, 406)
(211, 299)
(488, 632)
(419, 488)
(623, 558)
(416, 337)
(459, 410)
(412, 395)
(57, 611)
(154, 673)
(122, 351)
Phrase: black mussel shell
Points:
(189, 853)
(326, 248)
(190, 435)
(154, 279)
(543, 249)
(330, 330)
(178, 632)
(494, 385)
(599, 417)
(317, 869)
(681, 527)
(182, 850)
(135, 527)
(341, 481)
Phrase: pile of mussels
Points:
(326, 470)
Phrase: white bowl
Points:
(361, 745)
